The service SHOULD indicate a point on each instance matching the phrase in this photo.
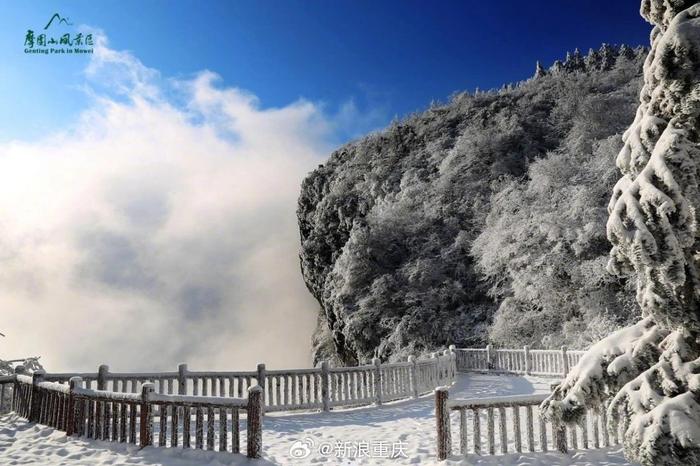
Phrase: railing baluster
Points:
(163, 426)
(543, 432)
(463, 447)
(604, 422)
(174, 425)
(115, 421)
(132, 423)
(476, 430)
(91, 419)
(530, 429)
(516, 430)
(490, 431)
(503, 430)
(122, 422)
(199, 428)
(186, 418)
(107, 421)
(223, 434)
(235, 431)
(210, 428)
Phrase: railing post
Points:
(378, 380)
(262, 376)
(15, 403)
(182, 379)
(325, 392)
(565, 362)
(73, 383)
(434, 370)
(528, 365)
(102, 374)
(442, 419)
(146, 437)
(37, 377)
(489, 359)
(444, 369)
(453, 352)
(2, 397)
(414, 376)
(254, 414)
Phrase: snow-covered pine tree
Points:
(557, 67)
(651, 370)
(574, 61)
(592, 60)
(607, 56)
(626, 52)
(539, 71)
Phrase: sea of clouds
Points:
(160, 227)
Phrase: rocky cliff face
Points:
(387, 224)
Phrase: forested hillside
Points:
(481, 219)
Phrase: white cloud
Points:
(153, 233)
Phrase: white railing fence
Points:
(290, 389)
(512, 424)
(524, 361)
(143, 408)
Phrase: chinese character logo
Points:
(57, 40)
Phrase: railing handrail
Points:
(497, 402)
(57, 387)
(196, 400)
(224, 374)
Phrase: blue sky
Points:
(384, 58)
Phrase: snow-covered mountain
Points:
(483, 218)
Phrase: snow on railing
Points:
(517, 361)
(130, 417)
(290, 389)
(517, 430)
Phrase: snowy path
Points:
(406, 427)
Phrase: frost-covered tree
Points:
(543, 247)
(651, 370)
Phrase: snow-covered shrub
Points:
(652, 369)
(30, 365)
(543, 246)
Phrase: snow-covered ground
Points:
(364, 436)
